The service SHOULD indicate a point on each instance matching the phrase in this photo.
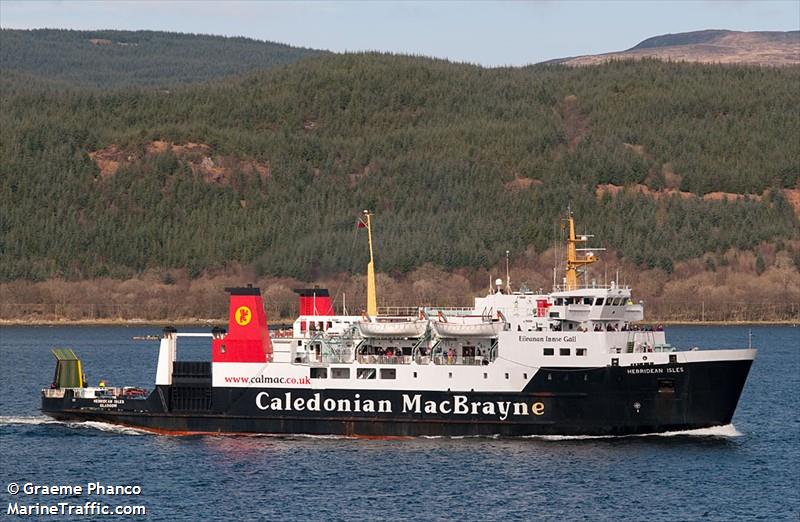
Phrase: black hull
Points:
(598, 401)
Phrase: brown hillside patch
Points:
(729, 196)
(638, 188)
(636, 149)
(521, 183)
(214, 168)
(109, 159)
(791, 195)
(576, 124)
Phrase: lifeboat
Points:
(411, 329)
(482, 329)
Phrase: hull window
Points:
(366, 373)
(340, 373)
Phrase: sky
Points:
(486, 33)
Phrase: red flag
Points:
(361, 224)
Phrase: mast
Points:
(508, 276)
(372, 300)
(574, 262)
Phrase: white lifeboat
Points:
(412, 328)
(482, 329)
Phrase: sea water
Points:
(749, 470)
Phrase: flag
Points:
(361, 224)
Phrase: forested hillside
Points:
(104, 59)
(459, 163)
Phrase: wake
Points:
(724, 432)
(40, 420)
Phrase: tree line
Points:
(434, 148)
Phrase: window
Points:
(340, 373)
(563, 351)
(388, 373)
(559, 301)
(587, 300)
(599, 301)
(366, 373)
(525, 376)
(580, 352)
(450, 374)
(485, 375)
(549, 351)
(415, 375)
(673, 358)
(319, 373)
(506, 376)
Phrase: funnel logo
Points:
(243, 316)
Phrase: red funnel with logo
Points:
(247, 339)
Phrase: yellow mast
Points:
(574, 263)
(372, 299)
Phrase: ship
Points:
(572, 361)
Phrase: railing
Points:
(337, 358)
(384, 359)
(459, 360)
(643, 348)
(587, 286)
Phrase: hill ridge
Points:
(773, 48)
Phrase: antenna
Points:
(508, 276)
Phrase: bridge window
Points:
(340, 373)
(599, 301)
(580, 352)
(388, 373)
(319, 373)
(549, 351)
(563, 351)
(587, 300)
